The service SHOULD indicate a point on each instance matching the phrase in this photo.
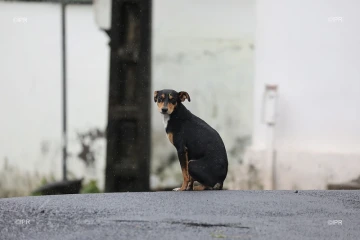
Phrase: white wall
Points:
(30, 82)
(315, 63)
(30, 85)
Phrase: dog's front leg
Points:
(188, 181)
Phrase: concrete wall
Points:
(30, 89)
(205, 48)
(314, 59)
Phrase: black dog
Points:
(200, 149)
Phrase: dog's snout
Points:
(164, 110)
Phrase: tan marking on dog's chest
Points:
(171, 138)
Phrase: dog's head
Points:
(167, 100)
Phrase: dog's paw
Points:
(176, 189)
(217, 186)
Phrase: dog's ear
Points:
(184, 95)
(155, 96)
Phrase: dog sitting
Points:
(200, 149)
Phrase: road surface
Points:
(184, 215)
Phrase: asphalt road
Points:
(184, 215)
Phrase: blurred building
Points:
(223, 53)
(310, 50)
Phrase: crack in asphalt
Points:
(191, 224)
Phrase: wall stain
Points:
(238, 150)
(87, 140)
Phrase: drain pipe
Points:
(269, 107)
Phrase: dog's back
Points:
(202, 140)
(203, 144)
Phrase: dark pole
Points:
(129, 117)
(64, 133)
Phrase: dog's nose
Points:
(164, 110)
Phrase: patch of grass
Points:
(218, 235)
(90, 187)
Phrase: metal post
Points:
(64, 127)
